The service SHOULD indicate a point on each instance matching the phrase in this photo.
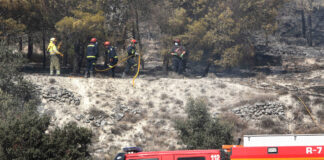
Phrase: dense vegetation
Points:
(24, 133)
(199, 130)
(216, 31)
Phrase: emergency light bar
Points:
(132, 149)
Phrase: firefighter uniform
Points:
(178, 58)
(54, 59)
(131, 50)
(111, 59)
(92, 53)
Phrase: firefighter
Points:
(54, 59)
(131, 51)
(178, 56)
(111, 57)
(92, 54)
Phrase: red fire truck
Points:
(281, 147)
(135, 153)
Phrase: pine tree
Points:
(219, 32)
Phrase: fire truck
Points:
(256, 147)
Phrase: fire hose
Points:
(138, 68)
(310, 114)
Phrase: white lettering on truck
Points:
(215, 157)
(311, 150)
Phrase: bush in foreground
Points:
(23, 132)
(199, 130)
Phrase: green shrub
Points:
(199, 130)
(22, 130)
(25, 137)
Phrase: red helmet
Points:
(93, 40)
(107, 43)
(133, 41)
(177, 40)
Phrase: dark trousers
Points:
(130, 62)
(177, 64)
(91, 63)
(112, 70)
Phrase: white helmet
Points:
(53, 39)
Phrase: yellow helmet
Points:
(53, 39)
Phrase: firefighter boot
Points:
(51, 73)
(58, 73)
(124, 75)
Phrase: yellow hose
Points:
(107, 69)
(310, 114)
(138, 68)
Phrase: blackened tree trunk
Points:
(302, 13)
(8, 40)
(44, 47)
(310, 30)
(137, 32)
(76, 57)
(82, 53)
(65, 58)
(206, 71)
(166, 60)
(30, 45)
(20, 43)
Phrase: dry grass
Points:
(298, 115)
(232, 119)
(307, 129)
(163, 109)
(318, 89)
(279, 130)
(121, 128)
(283, 92)
(303, 97)
(261, 76)
(164, 96)
(253, 131)
(222, 85)
(179, 102)
(150, 104)
(320, 115)
(267, 123)
(134, 103)
(318, 101)
(165, 116)
(52, 81)
(256, 99)
(134, 118)
(95, 112)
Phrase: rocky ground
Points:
(121, 115)
(260, 100)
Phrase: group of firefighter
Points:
(178, 54)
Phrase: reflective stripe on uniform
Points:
(91, 45)
(116, 57)
(91, 56)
